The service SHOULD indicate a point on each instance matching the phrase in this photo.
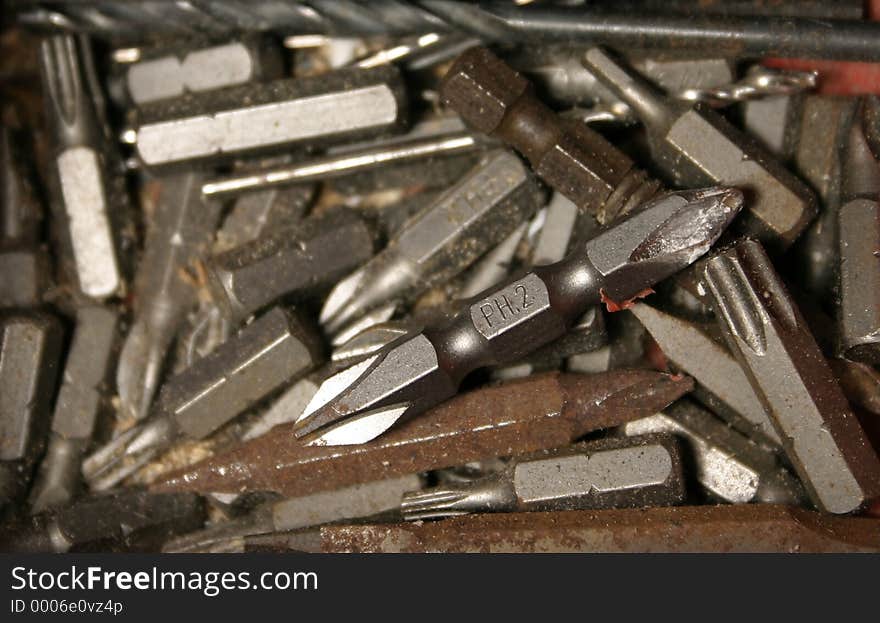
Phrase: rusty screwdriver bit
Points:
(527, 415)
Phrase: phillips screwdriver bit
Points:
(573, 159)
(81, 194)
(178, 235)
(222, 124)
(510, 321)
(81, 401)
(696, 146)
(727, 464)
(609, 473)
(770, 338)
(527, 415)
(274, 349)
(441, 240)
(128, 521)
(297, 262)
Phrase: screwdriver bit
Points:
(274, 349)
(573, 159)
(441, 240)
(297, 262)
(680, 529)
(81, 194)
(514, 319)
(696, 146)
(178, 235)
(24, 276)
(609, 473)
(720, 382)
(127, 521)
(30, 348)
(347, 503)
(80, 403)
(727, 464)
(769, 336)
(527, 415)
(222, 124)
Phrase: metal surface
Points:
(536, 413)
(766, 331)
(20, 210)
(514, 319)
(24, 276)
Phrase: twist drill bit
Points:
(609, 473)
(132, 520)
(272, 350)
(696, 146)
(729, 466)
(81, 194)
(514, 319)
(81, 400)
(220, 125)
(439, 241)
(177, 236)
(766, 331)
(527, 415)
(573, 159)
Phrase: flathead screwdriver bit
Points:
(609, 473)
(511, 320)
(695, 146)
(441, 240)
(766, 331)
(223, 124)
(273, 350)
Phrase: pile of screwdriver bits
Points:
(439, 276)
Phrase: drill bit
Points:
(609, 473)
(763, 327)
(440, 241)
(508, 322)
(527, 415)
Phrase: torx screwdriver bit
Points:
(82, 398)
(496, 100)
(536, 413)
(296, 262)
(441, 240)
(179, 232)
(766, 331)
(274, 349)
(608, 473)
(720, 382)
(80, 190)
(510, 321)
(222, 124)
(127, 521)
(696, 146)
(358, 501)
(727, 464)
(30, 349)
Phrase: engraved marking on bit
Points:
(510, 306)
(90, 235)
(268, 124)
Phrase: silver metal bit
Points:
(30, 348)
(721, 384)
(695, 146)
(24, 276)
(727, 464)
(441, 240)
(766, 331)
(274, 349)
(354, 502)
(78, 170)
(218, 125)
(417, 372)
(610, 473)
(178, 235)
(769, 121)
(346, 339)
(81, 399)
